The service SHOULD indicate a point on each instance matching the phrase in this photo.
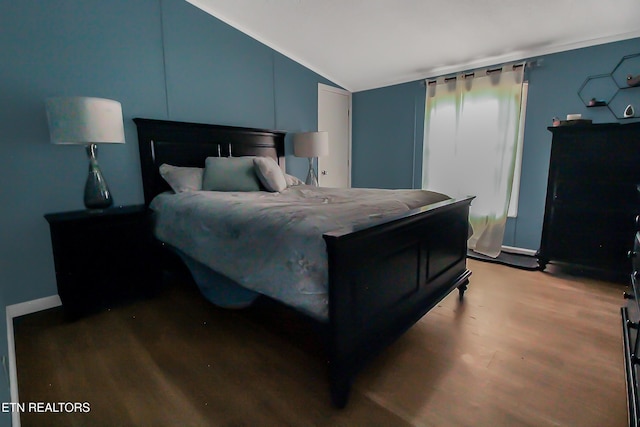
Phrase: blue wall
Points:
(162, 59)
(386, 134)
(388, 128)
(5, 392)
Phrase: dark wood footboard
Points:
(385, 277)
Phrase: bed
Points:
(420, 251)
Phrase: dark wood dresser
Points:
(630, 332)
(592, 197)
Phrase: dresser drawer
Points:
(599, 193)
(577, 237)
(635, 256)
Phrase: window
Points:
(515, 187)
(472, 144)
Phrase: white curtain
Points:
(470, 141)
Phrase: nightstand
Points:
(102, 257)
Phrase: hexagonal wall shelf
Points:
(614, 90)
(597, 90)
(628, 66)
(622, 99)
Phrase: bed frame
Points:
(382, 278)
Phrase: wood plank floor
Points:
(523, 349)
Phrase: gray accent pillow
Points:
(270, 174)
(230, 174)
(182, 178)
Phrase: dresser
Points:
(630, 313)
(592, 197)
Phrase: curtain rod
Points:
(489, 70)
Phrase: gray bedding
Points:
(271, 243)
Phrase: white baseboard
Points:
(13, 311)
(520, 251)
(33, 306)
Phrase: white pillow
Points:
(182, 178)
(292, 180)
(270, 174)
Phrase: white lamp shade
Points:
(311, 144)
(82, 120)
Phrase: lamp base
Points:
(96, 191)
(312, 178)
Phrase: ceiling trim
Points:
(422, 74)
(510, 57)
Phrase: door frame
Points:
(332, 89)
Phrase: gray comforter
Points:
(272, 243)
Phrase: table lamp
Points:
(87, 121)
(311, 145)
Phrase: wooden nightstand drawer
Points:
(102, 258)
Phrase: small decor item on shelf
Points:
(573, 119)
(629, 112)
(555, 121)
(597, 102)
(633, 81)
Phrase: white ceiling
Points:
(365, 44)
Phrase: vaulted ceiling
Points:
(365, 44)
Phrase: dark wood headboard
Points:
(189, 144)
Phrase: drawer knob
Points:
(632, 254)
(637, 222)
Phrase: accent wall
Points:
(388, 128)
(5, 386)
